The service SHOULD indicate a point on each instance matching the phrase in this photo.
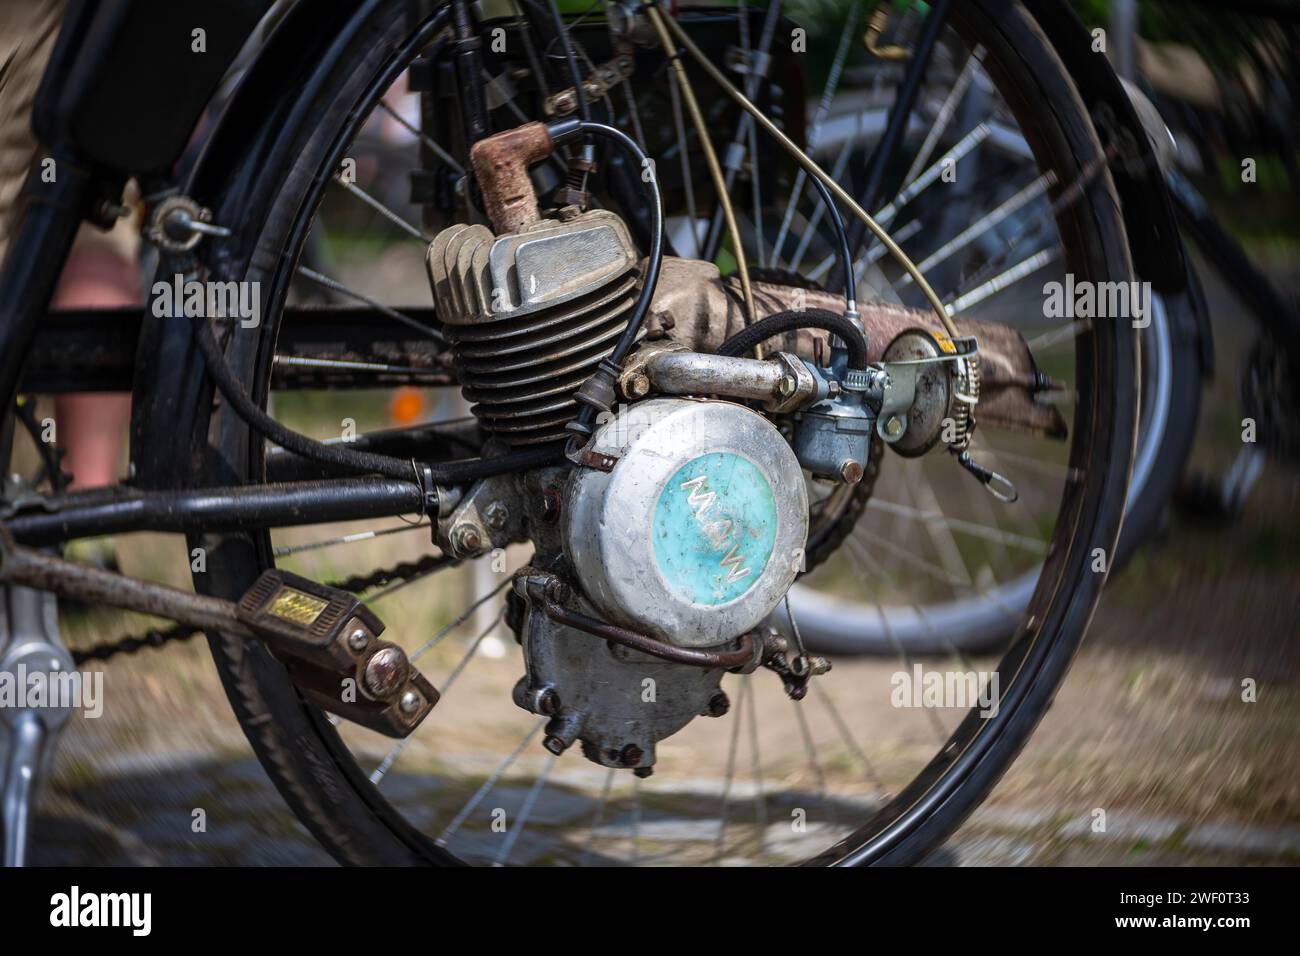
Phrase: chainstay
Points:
(358, 584)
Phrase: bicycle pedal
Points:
(329, 641)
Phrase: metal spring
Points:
(967, 393)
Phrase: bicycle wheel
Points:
(468, 787)
(957, 117)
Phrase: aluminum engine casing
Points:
(697, 532)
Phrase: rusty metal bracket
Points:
(603, 78)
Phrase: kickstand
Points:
(29, 645)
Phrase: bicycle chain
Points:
(154, 637)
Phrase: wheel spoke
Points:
(837, 172)
(945, 114)
(287, 550)
(886, 215)
(959, 151)
(487, 785)
(1003, 281)
(1031, 192)
(512, 836)
(814, 131)
(1072, 193)
(1066, 333)
(810, 749)
(464, 616)
(679, 124)
(726, 783)
(636, 819)
(387, 763)
(957, 524)
(734, 156)
(599, 815)
(343, 365)
(424, 138)
(846, 735)
(383, 210)
(748, 693)
(925, 567)
(866, 562)
(334, 284)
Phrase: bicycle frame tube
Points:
(48, 218)
(878, 163)
(92, 513)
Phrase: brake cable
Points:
(807, 162)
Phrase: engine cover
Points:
(697, 532)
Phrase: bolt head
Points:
(410, 702)
(386, 671)
(894, 427)
(786, 386)
(548, 703)
(358, 638)
(497, 514)
(554, 744)
(630, 755)
(466, 539)
(638, 386)
(851, 472)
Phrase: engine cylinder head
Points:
(531, 314)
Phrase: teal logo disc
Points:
(714, 528)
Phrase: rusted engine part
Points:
(697, 308)
(504, 510)
(617, 692)
(500, 165)
(324, 636)
(603, 78)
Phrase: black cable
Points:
(846, 257)
(575, 74)
(442, 473)
(610, 367)
(850, 332)
(468, 58)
